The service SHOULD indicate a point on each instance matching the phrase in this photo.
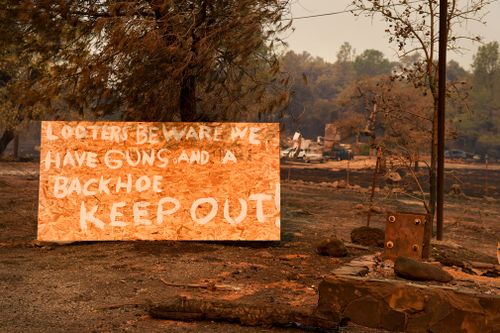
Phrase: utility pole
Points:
(443, 41)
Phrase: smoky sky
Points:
(323, 36)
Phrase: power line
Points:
(348, 11)
(317, 15)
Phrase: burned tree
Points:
(398, 121)
(152, 60)
(413, 28)
(169, 57)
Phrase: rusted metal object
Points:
(404, 235)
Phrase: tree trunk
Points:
(15, 147)
(187, 99)
(187, 102)
(6, 138)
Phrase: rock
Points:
(351, 270)
(332, 247)
(334, 184)
(359, 206)
(368, 236)
(417, 271)
(364, 311)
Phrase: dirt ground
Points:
(106, 286)
(475, 179)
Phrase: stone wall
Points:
(408, 307)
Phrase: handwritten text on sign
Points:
(184, 181)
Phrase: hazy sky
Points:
(322, 36)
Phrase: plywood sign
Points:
(154, 181)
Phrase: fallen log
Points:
(484, 265)
(184, 309)
(209, 286)
(119, 306)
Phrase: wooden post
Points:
(443, 41)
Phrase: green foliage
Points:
(455, 72)
(486, 61)
(315, 101)
(314, 85)
(23, 64)
(336, 93)
(479, 129)
(372, 63)
(346, 53)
